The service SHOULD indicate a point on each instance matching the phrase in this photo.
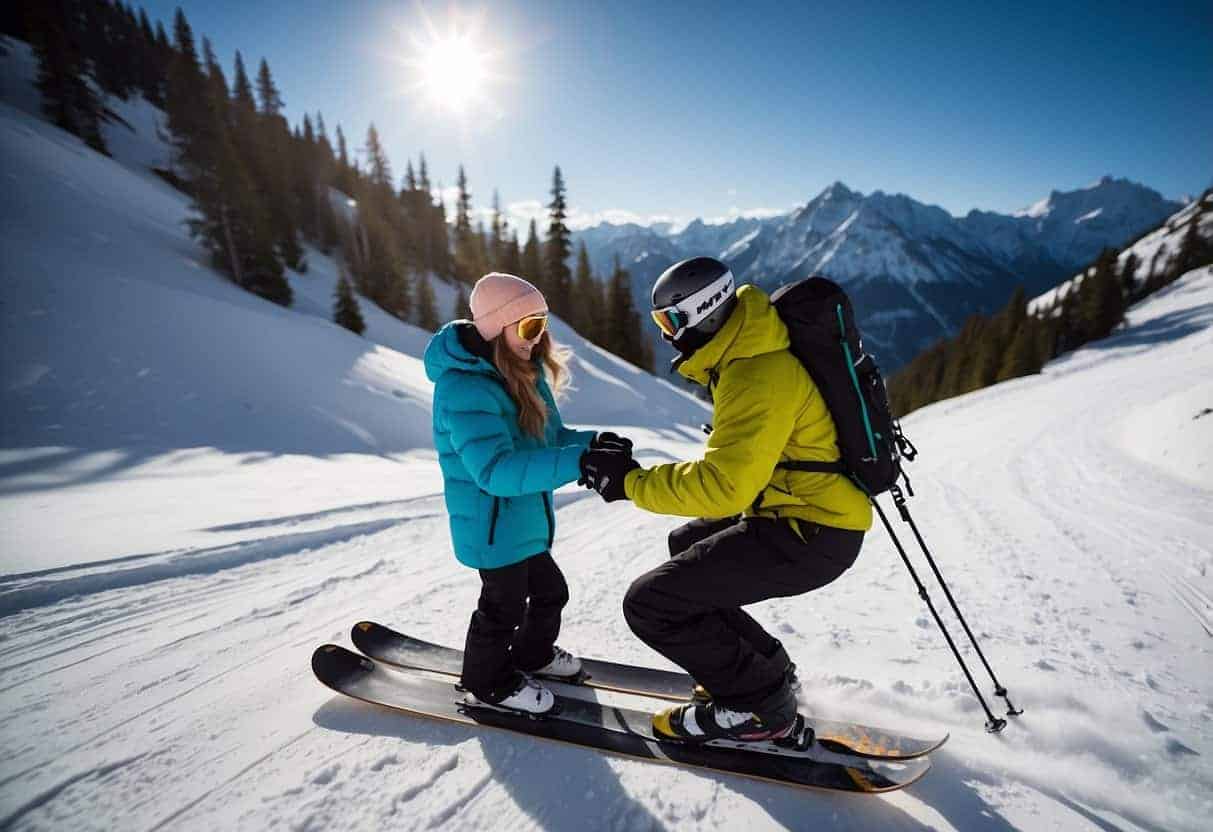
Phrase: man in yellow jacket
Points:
(764, 531)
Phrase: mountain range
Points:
(914, 271)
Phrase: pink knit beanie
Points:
(499, 299)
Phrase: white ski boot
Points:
(563, 665)
(531, 697)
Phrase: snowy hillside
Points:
(198, 487)
(1154, 252)
(128, 361)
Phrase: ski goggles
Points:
(532, 326)
(669, 320)
(675, 319)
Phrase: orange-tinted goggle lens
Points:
(531, 328)
(668, 319)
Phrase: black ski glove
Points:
(607, 441)
(604, 471)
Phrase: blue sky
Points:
(683, 110)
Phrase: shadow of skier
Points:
(558, 786)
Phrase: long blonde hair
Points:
(521, 375)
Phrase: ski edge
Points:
(323, 656)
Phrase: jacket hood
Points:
(754, 328)
(446, 351)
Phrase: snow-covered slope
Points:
(267, 483)
(127, 360)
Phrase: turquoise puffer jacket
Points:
(498, 481)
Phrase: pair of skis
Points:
(844, 756)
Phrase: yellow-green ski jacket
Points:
(766, 409)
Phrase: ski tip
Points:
(334, 665)
(365, 633)
(879, 777)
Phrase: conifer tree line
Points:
(1013, 342)
(262, 188)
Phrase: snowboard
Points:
(613, 730)
(390, 647)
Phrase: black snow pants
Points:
(689, 608)
(514, 626)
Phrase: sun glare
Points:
(452, 73)
(452, 68)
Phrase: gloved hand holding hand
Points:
(610, 441)
(604, 471)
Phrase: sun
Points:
(453, 67)
(452, 73)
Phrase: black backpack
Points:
(821, 326)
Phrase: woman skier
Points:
(503, 448)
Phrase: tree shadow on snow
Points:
(1169, 327)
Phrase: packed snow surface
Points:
(197, 488)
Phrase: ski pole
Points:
(993, 723)
(900, 501)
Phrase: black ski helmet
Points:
(692, 300)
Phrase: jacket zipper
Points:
(547, 507)
(493, 519)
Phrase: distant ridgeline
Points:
(261, 188)
(1020, 338)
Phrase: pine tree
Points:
(345, 311)
(462, 310)
(513, 255)
(344, 178)
(467, 255)
(1128, 276)
(1019, 359)
(185, 99)
(1101, 301)
(151, 76)
(1194, 250)
(1044, 339)
(67, 99)
(440, 246)
(955, 378)
(267, 143)
(622, 334)
(242, 89)
(380, 171)
(497, 241)
(557, 247)
(985, 355)
(267, 92)
(427, 313)
(423, 176)
(303, 179)
(587, 297)
(532, 258)
(14, 23)
(231, 221)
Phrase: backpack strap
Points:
(835, 467)
(814, 467)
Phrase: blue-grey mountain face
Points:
(915, 271)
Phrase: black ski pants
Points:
(689, 608)
(514, 626)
